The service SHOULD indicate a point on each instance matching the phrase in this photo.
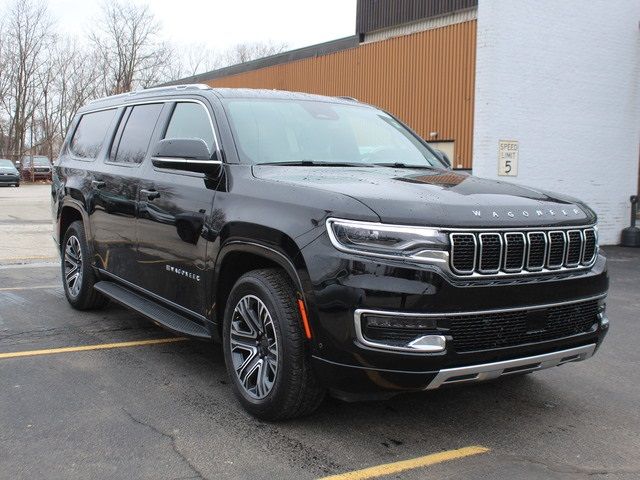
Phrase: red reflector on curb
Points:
(305, 320)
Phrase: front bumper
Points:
(343, 284)
(26, 174)
(9, 179)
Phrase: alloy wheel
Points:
(73, 266)
(254, 347)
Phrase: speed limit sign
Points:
(508, 158)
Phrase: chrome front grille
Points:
(512, 252)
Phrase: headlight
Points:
(386, 240)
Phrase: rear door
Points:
(175, 209)
(115, 186)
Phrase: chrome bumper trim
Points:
(488, 371)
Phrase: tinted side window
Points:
(190, 120)
(131, 147)
(90, 133)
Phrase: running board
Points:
(152, 310)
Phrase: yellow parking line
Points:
(32, 287)
(397, 467)
(20, 259)
(84, 348)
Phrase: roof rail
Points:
(187, 86)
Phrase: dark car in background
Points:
(323, 243)
(41, 167)
(9, 174)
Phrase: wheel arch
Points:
(238, 257)
(71, 211)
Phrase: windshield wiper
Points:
(315, 163)
(404, 165)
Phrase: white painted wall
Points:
(563, 78)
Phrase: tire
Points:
(74, 261)
(289, 388)
(17, 185)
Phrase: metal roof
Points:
(379, 14)
(284, 57)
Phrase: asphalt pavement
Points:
(165, 409)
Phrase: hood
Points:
(436, 197)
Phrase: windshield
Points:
(4, 164)
(41, 161)
(290, 131)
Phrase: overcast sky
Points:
(222, 23)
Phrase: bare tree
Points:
(70, 79)
(189, 60)
(45, 78)
(198, 58)
(129, 46)
(26, 39)
(245, 52)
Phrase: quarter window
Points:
(90, 133)
(190, 120)
(137, 127)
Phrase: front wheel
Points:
(264, 348)
(78, 277)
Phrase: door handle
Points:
(97, 184)
(151, 194)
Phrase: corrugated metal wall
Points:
(376, 14)
(426, 79)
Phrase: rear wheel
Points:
(264, 348)
(78, 277)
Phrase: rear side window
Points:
(90, 133)
(190, 120)
(134, 133)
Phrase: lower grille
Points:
(509, 329)
(481, 330)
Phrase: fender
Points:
(69, 202)
(262, 250)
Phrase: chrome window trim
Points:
(568, 248)
(506, 251)
(495, 270)
(564, 250)
(186, 160)
(475, 253)
(177, 99)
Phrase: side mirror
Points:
(185, 154)
(444, 157)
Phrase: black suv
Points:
(322, 242)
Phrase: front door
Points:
(174, 209)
